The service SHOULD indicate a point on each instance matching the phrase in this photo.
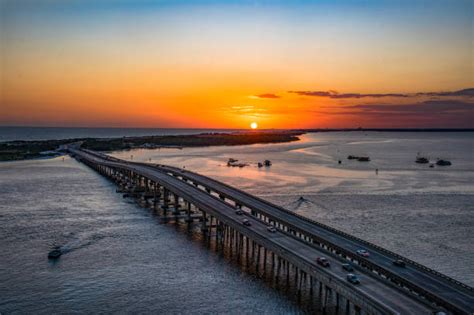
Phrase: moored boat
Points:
(422, 160)
(443, 163)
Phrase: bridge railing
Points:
(366, 300)
(327, 227)
(423, 292)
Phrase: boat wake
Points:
(77, 242)
(301, 202)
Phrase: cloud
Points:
(265, 95)
(336, 95)
(465, 92)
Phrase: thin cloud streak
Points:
(336, 95)
(265, 95)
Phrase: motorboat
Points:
(55, 253)
(443, 163)
(422, 160)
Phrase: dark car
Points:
(323, 262)
(271, 229)
(347, 267)
(352, 278)
(246, 222)
(399, 263)
(239, 212)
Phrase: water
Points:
(426, 214)
(49, 133)
(121, 258)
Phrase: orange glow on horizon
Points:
(211, 67)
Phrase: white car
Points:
(363, 253)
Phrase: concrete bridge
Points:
(288, 255)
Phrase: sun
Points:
(254, 125)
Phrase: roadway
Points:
(371, 285)
(431, 282)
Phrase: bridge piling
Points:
(246, 243)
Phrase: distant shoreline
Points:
(25, 150)
(390, 130)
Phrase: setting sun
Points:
(253, 125)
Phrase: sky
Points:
(226, 64)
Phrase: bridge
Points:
(289, 254)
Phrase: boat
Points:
(443, 163)
(422, 160)
(55, 253)
(260, 164)
(267, 163)
(352, 157)
(364, 159)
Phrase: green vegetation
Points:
(20, 150)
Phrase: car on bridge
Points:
(271, 229)
(323, 262)
(363, 253)
(347, 267)
(239, 212)
(246, 222)
(399, 263)
(352, 278)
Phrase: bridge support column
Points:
(217, 231)
(264, 261)
(176, 204)
(258, 258)
(278, 270)
(189, 219)
(296, 280)
(203, 224)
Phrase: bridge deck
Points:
(436, 284)
(372, 286)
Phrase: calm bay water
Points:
(120, 258)
(49, 133)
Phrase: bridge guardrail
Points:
(418, 265)
(370, 301)
(349, 254)
(332, 229)
(420, 290)
(345, 235)
(424, 293)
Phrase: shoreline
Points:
(27, 150)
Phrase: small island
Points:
(21, 150)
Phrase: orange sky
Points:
(204, 65)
